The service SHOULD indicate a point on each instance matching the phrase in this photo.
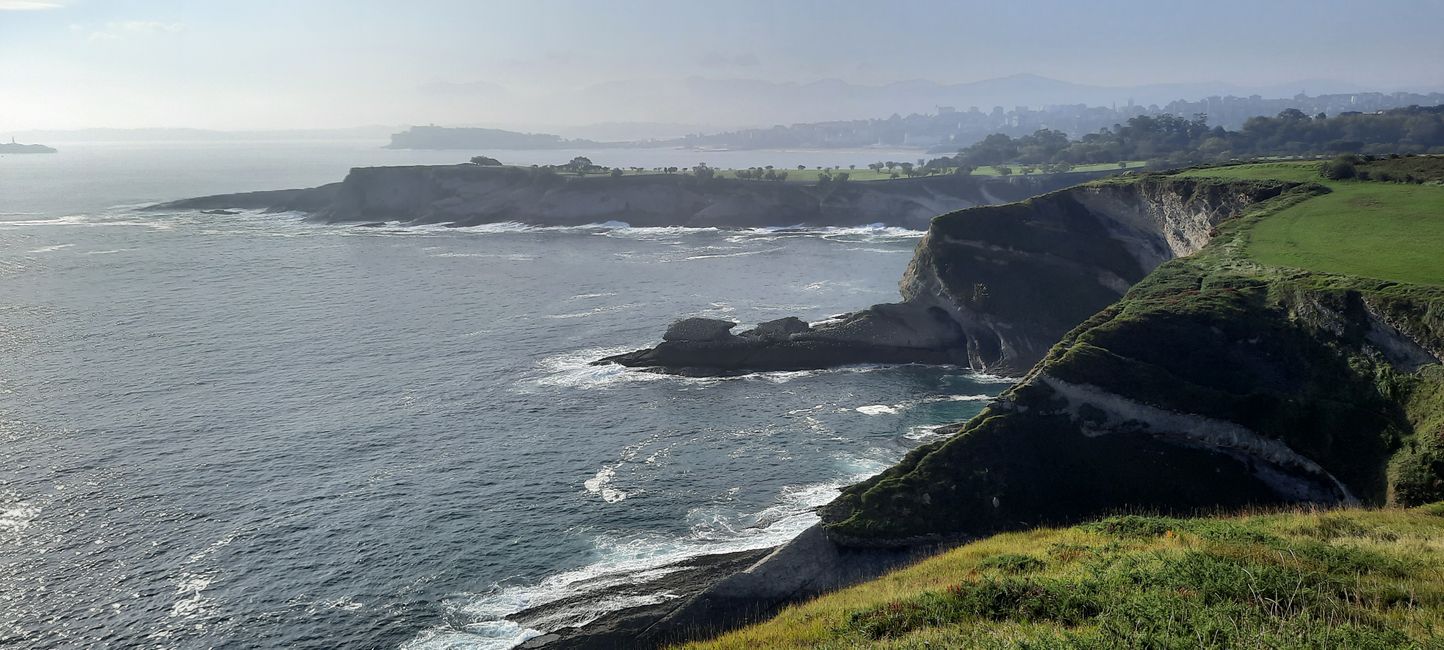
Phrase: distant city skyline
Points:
(266, 64)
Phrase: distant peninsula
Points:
(14, 147)
(442, 137)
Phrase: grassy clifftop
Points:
(1302, 579)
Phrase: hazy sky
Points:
(333, 63)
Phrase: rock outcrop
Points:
(465, 195)
(890, 333)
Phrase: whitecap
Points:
(601, 484)
(739, 254)
(50, 249)
(877, 409)
(960, 398)
(985, 378)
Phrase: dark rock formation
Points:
(890, 333)
(699, 330)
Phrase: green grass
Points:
(1373, 230)
(1302, 579)
(1368, 229)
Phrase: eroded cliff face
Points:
(1214, 383)
(995, 287)
(1019, 276)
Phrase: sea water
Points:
(250, 431)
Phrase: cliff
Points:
(1218, 381)
(994, 287)
(465, 195)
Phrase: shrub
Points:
(1338, 169)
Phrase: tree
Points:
(842, 177)
(617, 172)
(485, 161)
(1122, 164)
(801, 167)
(1003, 170)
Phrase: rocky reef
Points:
(891, 333)
(994, 287)
(465, 195)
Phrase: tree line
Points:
(1171, 140)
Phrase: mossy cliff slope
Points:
(1217, 381)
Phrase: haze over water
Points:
(246, 430)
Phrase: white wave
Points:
(601, 484)
(592, 312)
(50, 249)
(575, 370)
(985, 378)
(654, 232)
(924, 433)
(190, 602)
(106, 252)
(738, 254)
(868, 233)
(90, 221)
(882, 250)
(589, 296)
(877, 409)
(960, 398)
(510, 257)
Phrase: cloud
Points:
(29, 5)
(117, 30)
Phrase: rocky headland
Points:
(468, 195)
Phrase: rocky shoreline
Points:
(722, 592)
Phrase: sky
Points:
(272, 64)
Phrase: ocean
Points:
(251, 431)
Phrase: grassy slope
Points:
(1348, 578)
